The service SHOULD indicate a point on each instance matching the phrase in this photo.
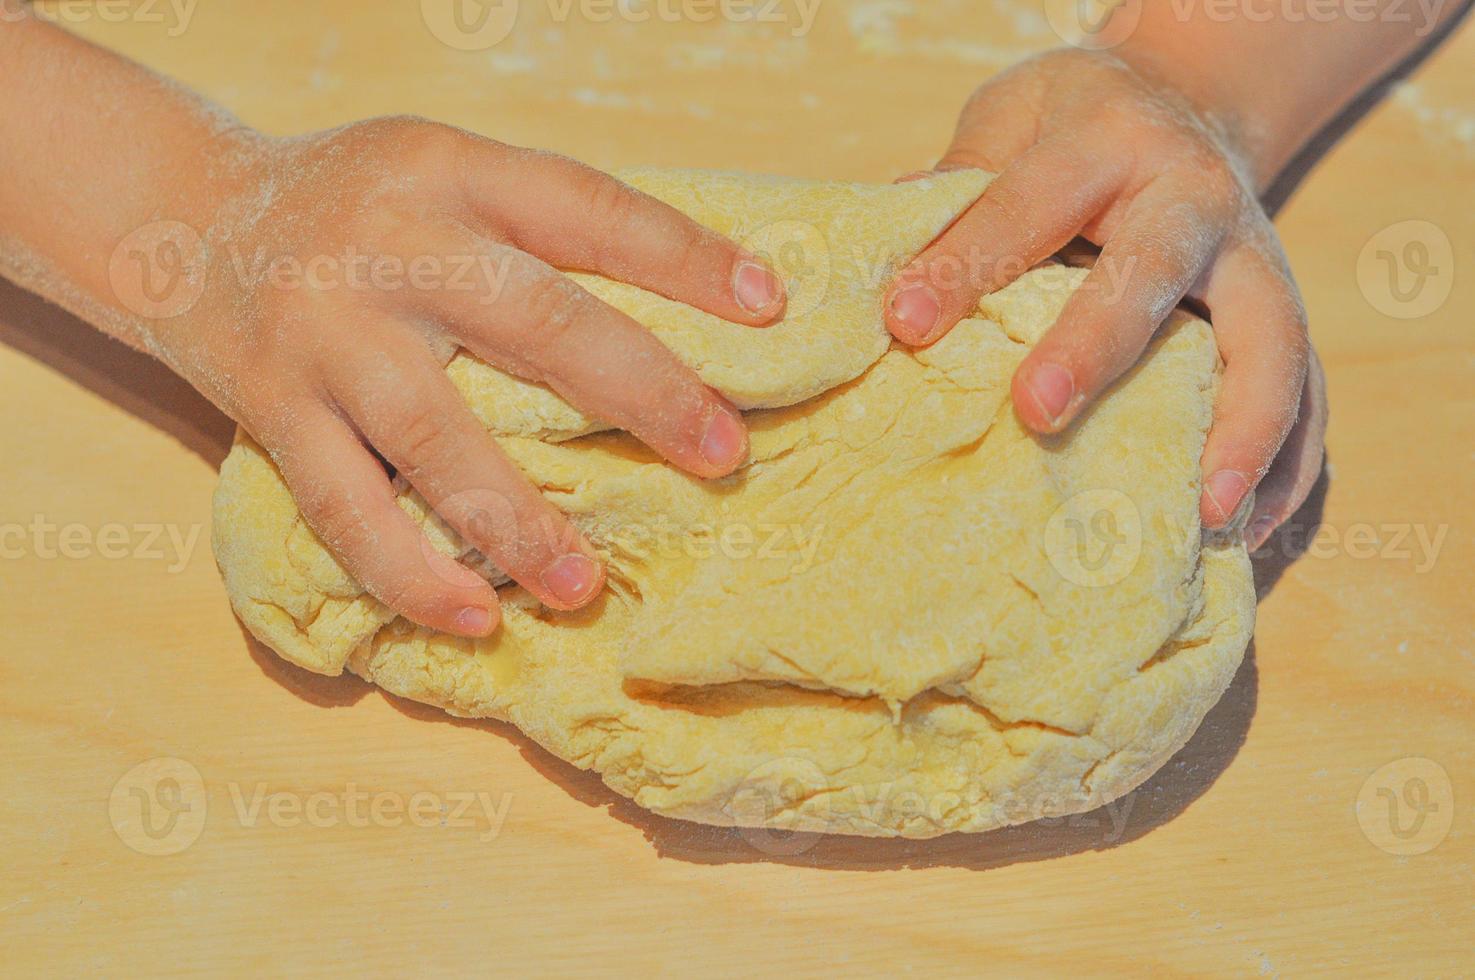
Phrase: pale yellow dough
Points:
(905, 616)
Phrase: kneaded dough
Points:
(904, 616)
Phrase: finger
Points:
(992, 132)
(1297, 466)
(1260, 326)
(1032, 209)
(542, 326)
(402, 402)
(575, 217)
(1166, 240)
(347, 499)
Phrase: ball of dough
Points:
(905, 616)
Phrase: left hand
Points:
(1087, 145)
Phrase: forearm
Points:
(96, 147)
(1273, 74)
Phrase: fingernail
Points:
(917, 309)
(1052, 388)
(725, 441)
(1226, 489)
(914, 175)
(572, 578)
(1259, 531)
(474, 621)
(757, 289)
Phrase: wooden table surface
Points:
(1323, 817)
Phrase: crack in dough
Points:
(891, 622)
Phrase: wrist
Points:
(1248, 131)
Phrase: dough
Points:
(905, 616)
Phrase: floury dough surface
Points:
(905, 616)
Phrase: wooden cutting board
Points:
(312, 824)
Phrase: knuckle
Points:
(522, 536)
(419, 145)
(338, 520)
(425, 437)
(611, 202)
(554, 305)
(694, 252)
(1002, 205)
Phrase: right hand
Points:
(321, 373)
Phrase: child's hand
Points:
(320, 373)
(1086, 145)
